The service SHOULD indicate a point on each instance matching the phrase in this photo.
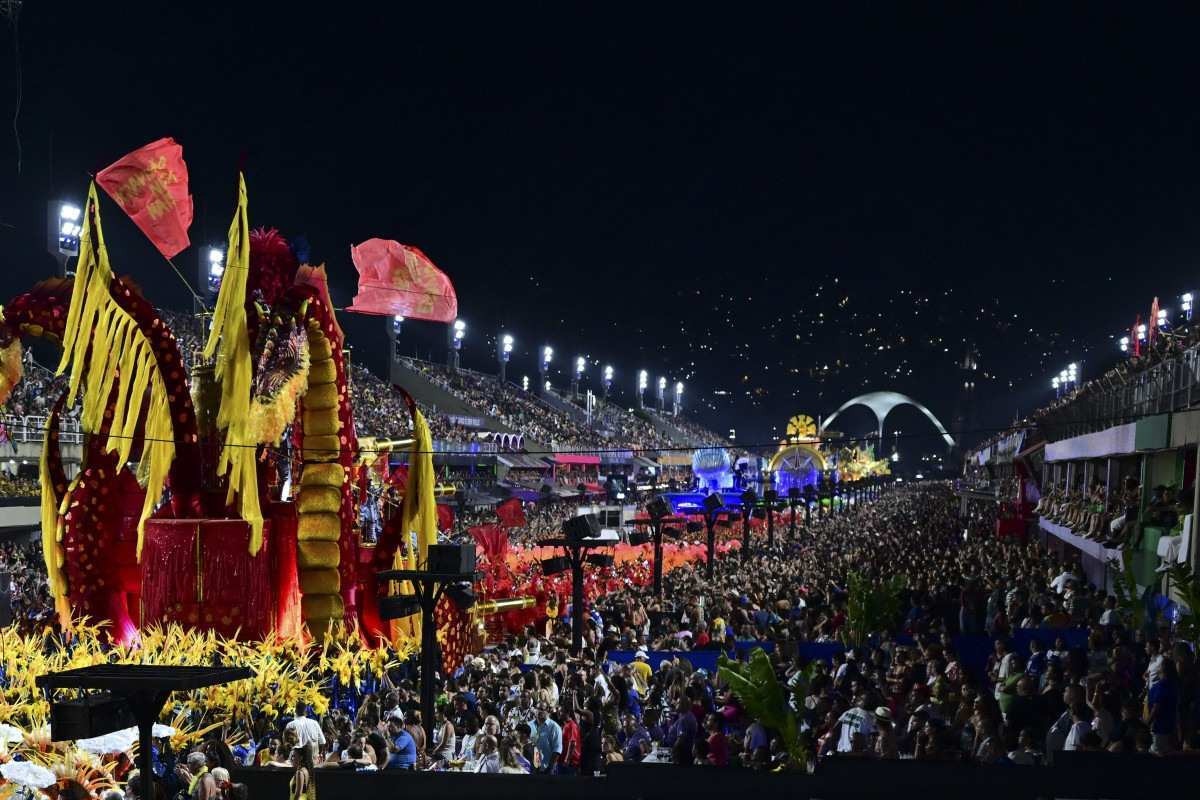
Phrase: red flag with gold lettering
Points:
(398, 279)
(151, 186)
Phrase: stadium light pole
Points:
(64, 226)
(1185, 305)
(504, 348)
(643, 382)
(662, 391)
(580, 366)
(544, 367)
(678, 397)
(458, 332)
(608, 379)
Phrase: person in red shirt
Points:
(571, 744)
(718, 745)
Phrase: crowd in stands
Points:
(691, 432)
(380, 410)
(16, 486)
(29, 590)
(522, 412)
(1062, 668)
(36, 393)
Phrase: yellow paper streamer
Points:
(102, 342)
(230, 336)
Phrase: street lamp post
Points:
(458, 332)
(504, 348)
(544, 367)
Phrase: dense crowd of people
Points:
(981, 649)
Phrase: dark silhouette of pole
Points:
(429, 595)
(710, 521)
(656, 525)
(748, 500)
(577, 612)
(769, 499)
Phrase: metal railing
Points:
(31, 429)
(1172, 385)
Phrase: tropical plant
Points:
(1186, 585)
(870, 606)
(756, 686)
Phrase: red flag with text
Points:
(398, 279)
(151, 186)
(511, 514)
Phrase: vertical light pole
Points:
(544, 367)
(608, 379)
(580, 366)
(395, 325)
(678, 397)
(504, 348)
(458, 332)
(64, 225)
(1185, 305)
(662, 389)
(643, 382)
(524, 383)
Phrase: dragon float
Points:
(174, 516)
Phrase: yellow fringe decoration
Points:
(240, 455)
(52, 550)
(11, 368)
(121, 357)
(419, 516)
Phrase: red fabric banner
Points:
(398, 279)
(151, 186)
(511, 513)
(492, 538)
(445, 517)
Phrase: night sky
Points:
(781, 211)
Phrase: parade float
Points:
(176, 515)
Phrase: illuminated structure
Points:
(882, 404)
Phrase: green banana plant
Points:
(756, 686)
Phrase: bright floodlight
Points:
(215, 255)
(70, 230)
(1054, 382)
(507, 342)
(399, 318)
(547, 386)
(896, 456)
(643, 379)
(69, 211)
(1072, 366)
(547, 354)
(525, 383)
(1187, 297)
(1141, 331)
(460, 329)
(608, 373)
(580, 365)
(679, 388)
(662, 383)
(1124, 343)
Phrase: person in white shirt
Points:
(857, 720)
(1025, 755)
(1059, 584)
(307, 731)
(1079, 727)
(1154, 671)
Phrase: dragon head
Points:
(281, 361)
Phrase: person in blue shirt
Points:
(549, 742)
(402, 751)
(1163, 704)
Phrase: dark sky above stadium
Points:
(781, 209)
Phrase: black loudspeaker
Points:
(770, 495)
(585, 526)
(694, 527)
(555, 565)
(455, 559)
(749, 498)
(600, 560)
(639, 538)
(88, 716)
(6, 615)
(671, 532)
(658, 508)
(713, 503)
(794, 493)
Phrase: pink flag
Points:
(398, 279)
(151, 186)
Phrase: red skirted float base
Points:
(199, 573)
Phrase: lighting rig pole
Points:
(504, 348)
(643, 381)
(749, 498)
(431, 584)
(458, 331)
(712, 506)
(793, 497)
(544, 368)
